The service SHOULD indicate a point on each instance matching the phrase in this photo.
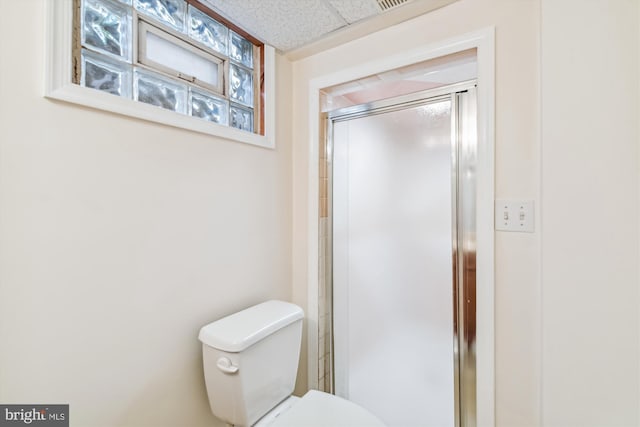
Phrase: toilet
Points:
(250, 364)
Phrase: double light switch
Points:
(514, 215)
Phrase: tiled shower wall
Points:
(324, 274)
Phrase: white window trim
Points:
(59, 85)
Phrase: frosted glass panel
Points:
(207, 31)
(170, 55)
(106, 27)
(152, 89)
(169, 12)
(106, 75)
(392, 248)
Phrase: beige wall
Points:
(590, 212)
(121, 238)
(567, 104)
(517, 173)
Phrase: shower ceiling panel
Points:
(291, 24)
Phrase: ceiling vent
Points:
(385, 5)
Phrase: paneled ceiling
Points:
(289, 25)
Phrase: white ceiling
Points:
(438, 72)
(291, 24)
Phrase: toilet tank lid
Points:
(238, 331)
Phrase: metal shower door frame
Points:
(463, 181)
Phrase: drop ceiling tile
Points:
(285, 24)
(355, 10)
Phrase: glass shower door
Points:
(393, 229)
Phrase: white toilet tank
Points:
(251, 360)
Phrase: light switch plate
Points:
(514, 215)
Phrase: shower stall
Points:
(398, 256)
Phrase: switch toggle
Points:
(514, 215)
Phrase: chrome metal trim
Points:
(400, 102)
(455, 258)
(467, 153)
(463, 170)
(328, 294)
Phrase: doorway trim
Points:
(484, 43)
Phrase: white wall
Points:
(517, 285)
(118, 239)
(590, 212)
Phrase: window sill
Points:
(58, 86)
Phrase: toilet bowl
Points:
(250, 364)
(319, 409)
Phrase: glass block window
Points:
(187, 59)
(106, 28)
(169, 12)
(241, 50)
(241, 118)
(208, 31)
(106, 74)
(154, 89)
(241, 85)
